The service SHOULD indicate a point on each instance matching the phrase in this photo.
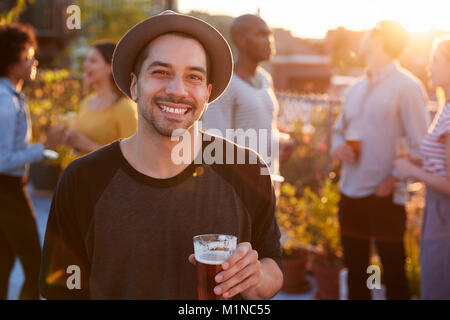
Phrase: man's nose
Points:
(176, 87)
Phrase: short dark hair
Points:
(144, 53)
(394, 37)
(14, 38)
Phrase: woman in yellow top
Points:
(106, 115)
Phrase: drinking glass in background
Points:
(67, 120)
(50, 154)
(55, 134)
(353, 139)
(402, 149)
(211, 250)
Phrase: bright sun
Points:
(314, 18)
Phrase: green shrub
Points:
(311, 220)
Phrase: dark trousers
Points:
(18, 237)
(379, 219)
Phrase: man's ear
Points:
(134, 87)
(209, 90)
(240, 41)
(208, 94)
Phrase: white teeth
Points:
(173, 110)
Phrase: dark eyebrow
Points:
(168, 65)
(158, 64)
(199, 69)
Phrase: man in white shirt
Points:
(384, 108)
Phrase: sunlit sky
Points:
(312, 18)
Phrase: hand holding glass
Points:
(211, 250)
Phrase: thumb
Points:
(192, 259)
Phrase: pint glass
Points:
(211, 250)
(353, 139)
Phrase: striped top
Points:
(245, 107)
(432, 149)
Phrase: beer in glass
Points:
(211, 250)
(353, 139)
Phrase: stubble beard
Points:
(165, 127)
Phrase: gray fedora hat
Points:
(138, 37)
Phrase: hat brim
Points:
(131, 44)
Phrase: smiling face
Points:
(171, 89)
(96, 69)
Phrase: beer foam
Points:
(216, 245)
(213, 258)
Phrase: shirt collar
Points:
(382, 73)
(8, 84)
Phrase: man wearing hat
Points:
(383, 110)
(123, 218)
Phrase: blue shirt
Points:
(15, 132)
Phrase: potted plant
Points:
(310, 214)
(322, 227)
(51, 95)
(294, 242)
(44, 175)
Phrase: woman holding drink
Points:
(434, 172)
(106, 115)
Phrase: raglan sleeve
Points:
(64, 266)
(266, 233)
